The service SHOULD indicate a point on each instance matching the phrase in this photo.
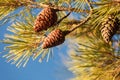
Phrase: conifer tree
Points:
(36, 26)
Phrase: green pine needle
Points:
(23, 43)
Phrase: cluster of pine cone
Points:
(45, 19)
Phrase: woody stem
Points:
(84, 20)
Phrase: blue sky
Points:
(34, 71)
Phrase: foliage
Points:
(90, 59)
(8, 13)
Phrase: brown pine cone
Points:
(46, 18)
(56, 37)
(109, 27)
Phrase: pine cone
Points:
(56, 37)
(109, 27)
(46, 18)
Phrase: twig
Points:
(57, 23)
(85, 20)
(32, 4)
(59, 8)
(63, 18)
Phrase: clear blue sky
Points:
(52, 70)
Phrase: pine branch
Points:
(7, 9)
(58, 8)
(23, 43)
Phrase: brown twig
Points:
(63, 18)
(83, 21)
(59, 8)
